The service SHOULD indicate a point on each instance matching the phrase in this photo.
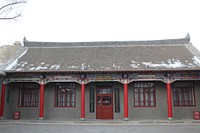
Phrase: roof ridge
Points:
(193, 50)
(18, 54)
(185, 40)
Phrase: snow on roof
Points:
(14, 63)
(196, 61)
(171, 63)
(165, 55)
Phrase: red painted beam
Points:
(169, 101)
(2, 99)
(125, 101)
(41, 113)
(82, 101)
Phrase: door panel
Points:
(104, 109)
(99, 108)
(107, 107)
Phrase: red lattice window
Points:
(144, 94)
(65, 95)
(183, 94)
(28, 95)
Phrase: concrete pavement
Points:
(104, 122)
(96, 127)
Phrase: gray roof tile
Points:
(171, 54)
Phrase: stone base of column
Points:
(170, 119)
(41, 118)
(126, 119)
(82, 119)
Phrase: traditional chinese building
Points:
(130, 80)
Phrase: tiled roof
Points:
(171, 54)
(2, 73)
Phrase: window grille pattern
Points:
(28, 95)
(65, 95)
(183, 94)
(144, 94)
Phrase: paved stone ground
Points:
(31, 127)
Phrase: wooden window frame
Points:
(8, 96)
(117, 100)
(60, 93)
(92, 102)
(28, 96)
(185, 95)
(144, 89)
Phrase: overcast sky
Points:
(104, 20)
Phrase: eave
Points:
(103, 71)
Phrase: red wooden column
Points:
(169, 101)
(41, 112)
(125, 101)
(82, 100)
(3, 90)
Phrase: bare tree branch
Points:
(7, 10)
(10, 18)
(12, 4)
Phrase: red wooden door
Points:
(104, 108)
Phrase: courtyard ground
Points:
(99, 127)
